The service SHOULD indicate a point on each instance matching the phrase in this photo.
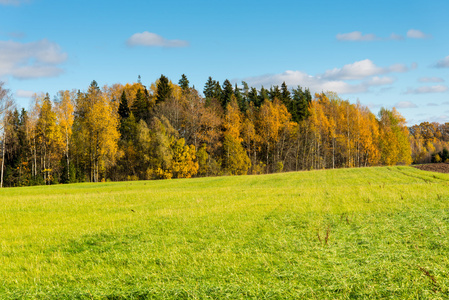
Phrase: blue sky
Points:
(381, 53)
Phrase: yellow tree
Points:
(272, 118)
(237, 161)
(184, 163)
(64, 115)
(394, 141)
(97, 130)
(49, 138)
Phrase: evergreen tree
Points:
(240, 100)
(263, 95)
(164, 89)
(123, 108)
(140, 107)
(226, 93)
(184, 83)
(252, 97)
(285, 95)
(209, 88)
(299, 105)
(217, 92)
(275, 93)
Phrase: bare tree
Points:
(6, 104)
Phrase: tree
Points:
(97, 134)
(49, 137)
(65, 118)
(6, 104)
(184, 83)
(184, 163)
(227, 93)
(123, 108)
(285, 95)
(394, 143)
(141, 106)
(164, 89)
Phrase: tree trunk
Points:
(3, 158)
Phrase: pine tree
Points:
(227, 93)
(184, 83)
(123, 108)
(275, 93)
(140, 107)
(164, 90)
(285, 95)
(209, 88)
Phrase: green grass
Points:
(335, 234)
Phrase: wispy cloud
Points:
(396, 37)
(362, 69)
(443, 63)
(405, 104)
(12, 2)
(432, 104)
(150, 39)
(31, 60)
(427, 89)
(356, 36)
(431, 79)
(417, 34)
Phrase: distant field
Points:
(335, 234)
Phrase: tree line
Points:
(429, 142)
(168, 130)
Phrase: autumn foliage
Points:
(131, 132)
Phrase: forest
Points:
(168, 130)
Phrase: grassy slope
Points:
(372, 232)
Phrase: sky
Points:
(380, 53)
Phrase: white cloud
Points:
(405, 104)
(428, 89)
(417, 34)
(376, 81)
(443, 63)
(361, 69)
(12, 2)
(24, 94)
(356, 36)
(431, 79)
(31, 60)
(150, 39)
(432, 104)
(396, 37)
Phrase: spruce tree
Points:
(274, 93)
(209, 88)
(140, 106)
(226, 93)
(240, 100)
(164, 90)
(184, 83)
(285, 95)
(123, 108)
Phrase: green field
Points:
(348, 233)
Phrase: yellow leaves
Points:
(184, 163)
(273, 116)
(233, 120)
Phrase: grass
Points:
(334, 234)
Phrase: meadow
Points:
(330, 234)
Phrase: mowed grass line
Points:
(334, 234)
